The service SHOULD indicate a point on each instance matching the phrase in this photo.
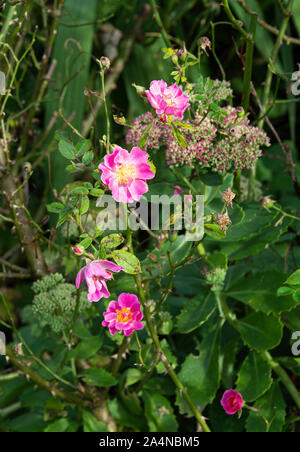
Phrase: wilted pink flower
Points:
(124, 314)
(224, 221)
(95, 275)
(228, 196)
(177, 190)
(125, 173)
(167, 100)
(232, 401)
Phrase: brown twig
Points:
(266, 26)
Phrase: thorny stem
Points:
(266, 26)
(102, 71)
(182, 390)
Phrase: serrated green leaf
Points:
(195, 313)
(260, 331)
(254, 377)
(272, 406)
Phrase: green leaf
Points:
(111, 241)
(96, 192)
(260, 331)
(214, 231)
(85, 243)
(259, 292)
(200, 373)
(195, 312)
(62, 425)
(82, 147)
(90, 423)
(254, 377)
(128, 261)
(88, 158)
(211, 179)
(179, 137)
(294, 279)
(84, 205)
(55, 207)
(159, 413)
(272, 406)
(254, 222)
(80, 191)
(66, 149)
(143, 138)
(98, 377)
(87, 348)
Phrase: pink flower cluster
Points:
(223, 145)
(232, 401)
(124, 315)
(126, 173)
(167, 100)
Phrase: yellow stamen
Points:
(124, 315)
(125, 173)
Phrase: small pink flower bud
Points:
(232, 401)
(78, 250)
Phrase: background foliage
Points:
(215, 334)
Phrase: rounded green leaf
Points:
(127, 260)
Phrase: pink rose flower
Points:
(232, 401)
(124, 314)
(95, 275)
(126, 173)
(167, 100)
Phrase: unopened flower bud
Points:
(105, 62)
(78, 250)
(266, 202)
(120, 119)
(139, 89)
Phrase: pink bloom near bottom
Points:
(232, 401)
(124, 315)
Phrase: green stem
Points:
(9, 377)
(291, 388)
(232, 19)
(158, 347)
(160, 24)
(102, 71)
(117, 364)
(20, 337)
